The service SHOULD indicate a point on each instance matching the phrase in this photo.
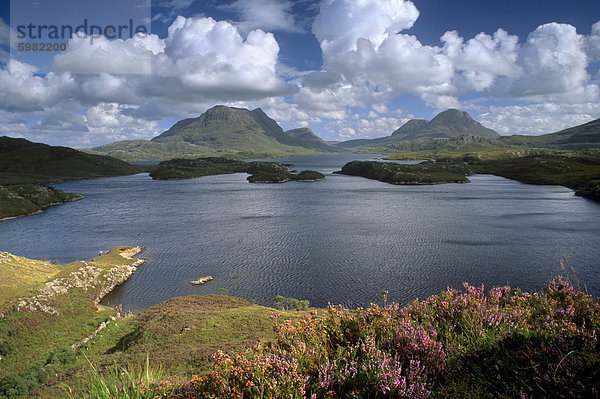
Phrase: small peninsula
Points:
(259, 171)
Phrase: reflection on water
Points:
(341, 240)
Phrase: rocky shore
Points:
(96, 279)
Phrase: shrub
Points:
(461, 343)
(284, 303)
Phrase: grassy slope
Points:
(19, 275)
(179, 334)
(144, 150)
(461, 343)
(516, 336)
(575, 138)
(141, 150)
(22, 161)
(23, 199)
(36, 343)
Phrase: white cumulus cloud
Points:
(482, 59)
(592, 43)
(538, 119)
(553, 61)
(360, 39)
(269, 15)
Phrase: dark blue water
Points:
(341, 240)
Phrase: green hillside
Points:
(22, 161)
(54, 335)
(144, 150)
(25, 165)
(56, 341)
(221, 131)
(230, 129)
(575, 138)
(306, 138)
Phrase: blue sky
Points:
(345, 68)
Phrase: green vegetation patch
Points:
(423, 173)
(24, 166)
(22, 161)
(260, 171)
(20, 275)
(576, 170)
(41, 329)
(24, 199)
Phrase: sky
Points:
(345, 68)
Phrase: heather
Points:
(460, 343)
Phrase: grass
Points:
(24, 199)
(36, 354)
(131, 382)
(19, 276)
(37, 343)
(461, 343)
(503, 343)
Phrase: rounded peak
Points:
(453, 113)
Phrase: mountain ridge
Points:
(449, 124)
(586, 135)
(238, 129)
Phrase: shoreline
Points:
(43, 209)
(99, 278)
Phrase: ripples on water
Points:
(341, 240)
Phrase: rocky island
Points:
(259, 171)
(577, 170)
(427, 172)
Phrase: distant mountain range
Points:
(222, 130)
(574, 138)
(241, 133)
(226, 128)
(446, 125)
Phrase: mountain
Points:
(574, 138)
(446, 125)
(229, 129)
(22, 161)
(306, 138)
(410, 127)
(452, 123)
(144, 150)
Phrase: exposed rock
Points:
(201, 280)
(89, 276)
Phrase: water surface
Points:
(341, 240)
